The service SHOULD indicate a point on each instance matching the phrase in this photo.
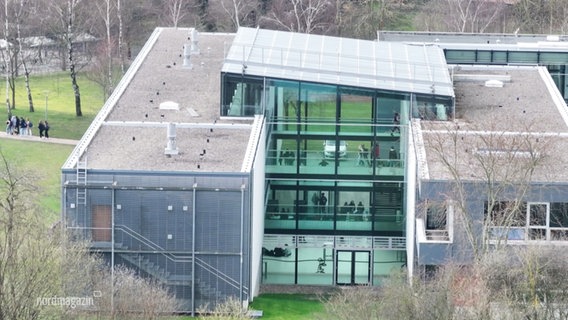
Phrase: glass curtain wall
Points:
(332, 152)
(335, 166)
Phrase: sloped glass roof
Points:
(343, 61)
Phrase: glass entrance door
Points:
(352, 267)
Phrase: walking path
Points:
(3, 135)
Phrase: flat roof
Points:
(504, 128)
(480, 41)
(131, 131)
(340, 61)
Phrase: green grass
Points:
(42, 161)
(287, 306)
(60, 103)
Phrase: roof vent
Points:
(194, 36)
(169, 105)
(186, 56)
(552, 37)
(494, 84)
(171, 148)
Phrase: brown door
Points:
(101, 223)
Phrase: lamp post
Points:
(46, 97)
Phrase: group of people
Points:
(351, 208)
(24, 127)
(320, 202)
(363, 155)
(287, 156)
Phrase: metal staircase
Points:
(162, 276)
(156, 271)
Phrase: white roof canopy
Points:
(351, 62)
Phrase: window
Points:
(508, 219)
(514, 220)
(241, 97)
(559, 215)
(507, 213)
(438, 215)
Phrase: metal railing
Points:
(372, 243)
(177, 258)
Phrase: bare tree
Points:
(99, 73)
(105, 58)
(125, 295)
(304, 16)
(493, 164)
(521, 282)
(231, 309)
(20, 17)
(461, 15)
(541, 16)
(353, 303)
(30, 255)
(362, 19)
(10, 58)
(174, 11)
(70, 24)
(65, 26)
(234, 13)
(120, 35)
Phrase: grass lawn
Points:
(287, 306)
(43, 161)
(60, 103)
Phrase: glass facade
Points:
(335, 166)
(555, 62)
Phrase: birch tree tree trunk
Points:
(120, 35)
(304, 16)
(70, 19)
(6, 56)
(22, 7)
(174, 10)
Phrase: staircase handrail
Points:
(172, 257)
(214, 271)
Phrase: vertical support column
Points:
(241, 244)
(193, 252)
(112, 250)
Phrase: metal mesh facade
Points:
(191, 233)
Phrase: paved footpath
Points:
(3, 135)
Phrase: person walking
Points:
(377, 153)
(396, 123)
(323, 203)
(41, 128)
(16, 125)
(8, 126)
(23, 127)
(46, 130)
(30, 126)
(393, 157)
(13, 129)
